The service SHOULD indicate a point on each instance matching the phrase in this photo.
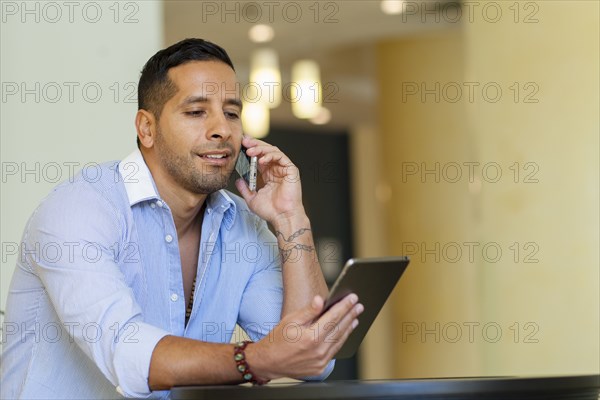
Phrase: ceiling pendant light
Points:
(392, 7)
(261, 33)
(255, 119)
(305, 89)
(266, 77)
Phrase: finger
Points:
(274, 157)
(249, 141)
(252, 144)
(336, 342)
(267, 153)
(335, 336)
(274, 166)
(270, 156)
(317, 303)
(346, 324)
(338, 310)
(313, 310)
(244, 190)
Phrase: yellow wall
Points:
(417, 133)
(559, 214)
(369, 196)
(547, 311)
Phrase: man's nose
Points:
(219, 128)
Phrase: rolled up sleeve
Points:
(132, 361)
(71, 250)
(323, 376)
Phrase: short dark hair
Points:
(155, 88)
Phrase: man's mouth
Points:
(216, 157)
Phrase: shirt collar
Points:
(140, 186)
(137, 179)
(221, 202)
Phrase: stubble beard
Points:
(185, 171)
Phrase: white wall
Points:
(75, 47)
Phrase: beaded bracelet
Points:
(240, 361)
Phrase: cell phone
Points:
(247, 168)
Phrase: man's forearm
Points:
(178, 361)
(302, 276)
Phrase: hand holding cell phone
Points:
(280, 194)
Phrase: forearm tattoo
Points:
(289, 245)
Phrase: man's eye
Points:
(195, 113)
(232, 115)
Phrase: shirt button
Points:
(174, 297)
(152, 205)
(169, 238)
(159, 203)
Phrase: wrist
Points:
(291, 221)
(259, 362)
(249, 374)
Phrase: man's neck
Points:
(187, 207)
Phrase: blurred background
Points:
(464, 135)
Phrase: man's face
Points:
(199, 133)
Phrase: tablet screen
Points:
(372, 280)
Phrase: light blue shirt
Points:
(98, 283)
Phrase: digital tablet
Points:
(372, 280)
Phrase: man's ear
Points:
(145, 124)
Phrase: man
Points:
(133, 281)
